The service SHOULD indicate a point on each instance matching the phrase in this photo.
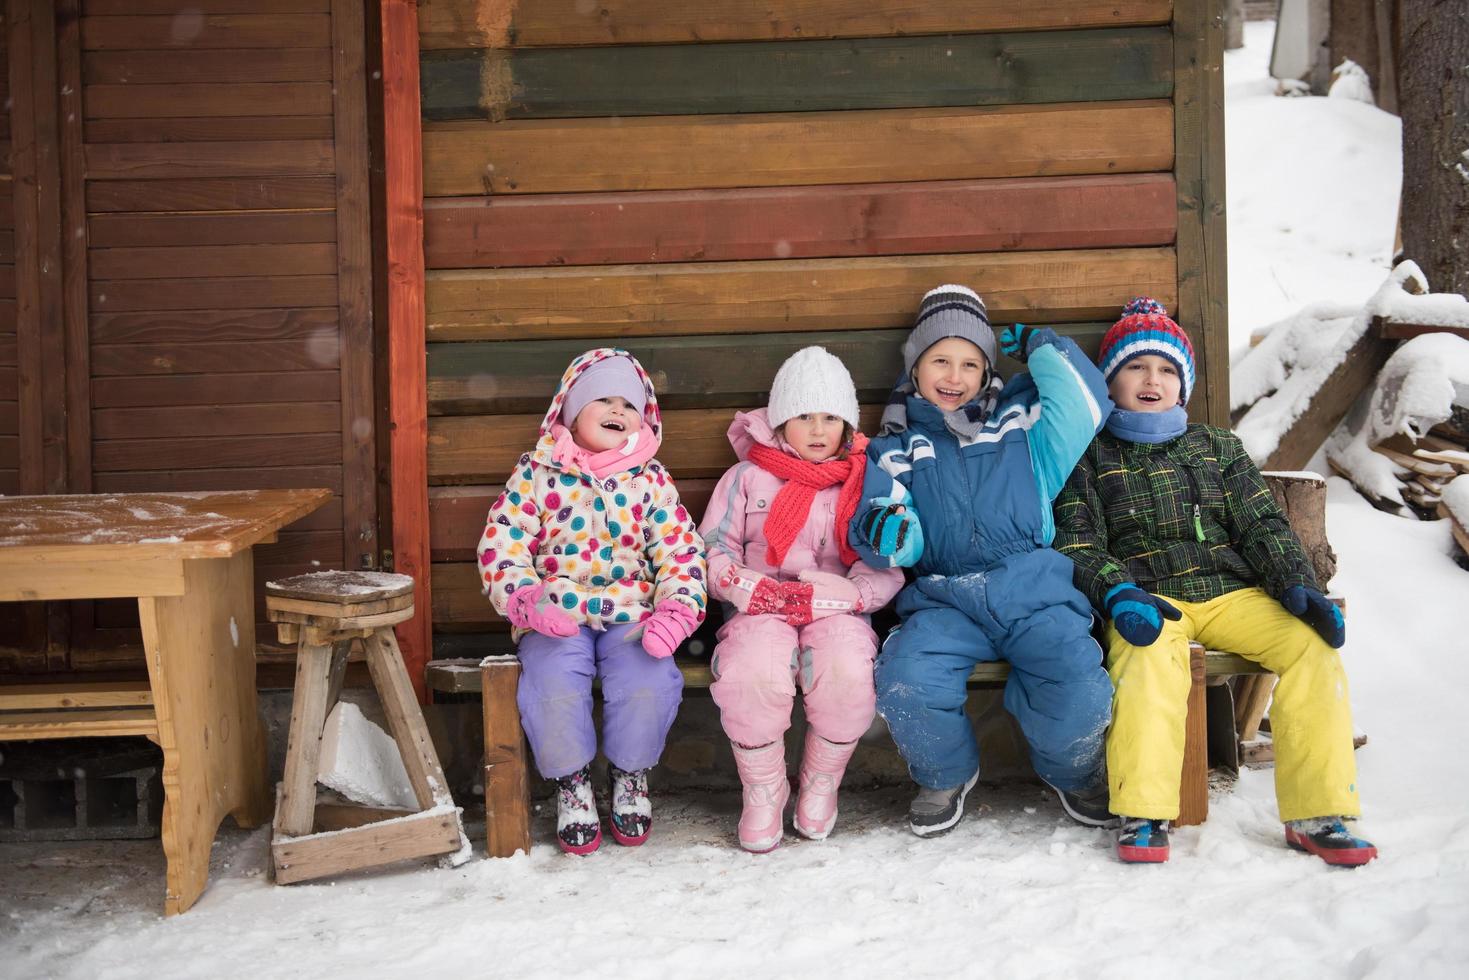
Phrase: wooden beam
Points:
(507, 793)
(1193, 803)
(74, 252)
(823, 221)
(509, 23)
(1395, 330)
(87, 723)
(1331, 402)
(799, 76)
(408, 397)
(550, 156)
(420, 835)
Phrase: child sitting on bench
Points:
(1176, 538)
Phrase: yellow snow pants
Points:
(1310, 715)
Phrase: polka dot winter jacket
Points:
(609, 548)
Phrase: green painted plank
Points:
(1093, 65)
(720, 371)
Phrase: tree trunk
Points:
(1433, 79)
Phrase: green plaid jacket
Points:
(1191, 519)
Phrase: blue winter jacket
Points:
(979, 502)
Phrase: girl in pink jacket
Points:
(776, 534)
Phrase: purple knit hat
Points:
(604, 379)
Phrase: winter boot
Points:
(1142, 841)
(822, 766)
(1087, 807)
(767, 790)
(578, 830)
(1329, 839)
(631, 819)
(938, 811)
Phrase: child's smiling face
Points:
(816, 437)
(1147, 383)
(605, 424)
(950, 373)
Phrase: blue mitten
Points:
(1319, 612)
(892, 530)
(1138, 615)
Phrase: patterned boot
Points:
(578, 829)
(822, 766)
(767, 791)
(631, 819)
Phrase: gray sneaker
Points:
(1087, 807)
(938, 811)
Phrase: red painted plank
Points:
(824, 221)
(407, 342)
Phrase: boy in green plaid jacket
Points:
(1176, 537)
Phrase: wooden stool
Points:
(325, 612)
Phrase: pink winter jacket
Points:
(734, 525)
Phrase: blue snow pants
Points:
(1023, 610)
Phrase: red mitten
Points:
(766, 599)
(796, 602)
(671, 623)
(530, 608)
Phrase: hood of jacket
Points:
(547, 445)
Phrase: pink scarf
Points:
(603, 464)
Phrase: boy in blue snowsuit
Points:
(958, 487)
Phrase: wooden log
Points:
(687, 372)
(798, 76)
(549, 156)
(784, 295)
(1193, 794)
(825, 221)
(507, 23)
(1302, 498)
(507, 789)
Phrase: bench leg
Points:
(1193, 796)
(507, 786)
(1252, 696)
(297, 804)
(405, 719)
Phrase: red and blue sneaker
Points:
(578, 831)
(1142, 841)
(1329, 839)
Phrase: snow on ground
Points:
(1015, 890)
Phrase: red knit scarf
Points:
(792, 505)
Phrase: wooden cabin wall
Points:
(214, 299)
(715, 185)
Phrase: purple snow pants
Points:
(640, 698)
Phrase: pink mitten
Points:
(834, 594)
(745, 589)
(531, 609)
(672, 622)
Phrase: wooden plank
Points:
(243, 388)
(211, 228)
(215, 326)
(547, 156)
(400, 695)
(251, 478)
(211, 194)
(144, 359)
(120, 161)
(204, 452)
(483, 448)
(206, 128)
(1330, 403)
(459, 600)
(78, 724)
(781, 295)
(207, 67)
(407, 396)
(688, 372)
(823, 221)
(340, 816)
(507, 786)
(206, 31)
(804, 75)
(76, 694)
(245, 292)
(91, 579)
(457, 515)
(1194, 783)
(359, 413)
(421, 835)
(217, 420)
(508, 23)
(1394, 330)
(133, 8)
(297, 798)
(1198, 125)
(132, 101)
(75, 266)
(224, 261)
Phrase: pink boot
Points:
(821, 775)
(767, 790)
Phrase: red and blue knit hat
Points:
(1146, 328)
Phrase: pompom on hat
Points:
(1146, 328)
(812, 380)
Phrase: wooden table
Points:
(186, 558)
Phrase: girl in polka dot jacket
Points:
(600, 570)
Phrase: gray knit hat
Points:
(949, 311)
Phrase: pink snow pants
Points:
(761, 660)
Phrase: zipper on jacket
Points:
(1198, 523)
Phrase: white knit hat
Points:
(812, 380)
